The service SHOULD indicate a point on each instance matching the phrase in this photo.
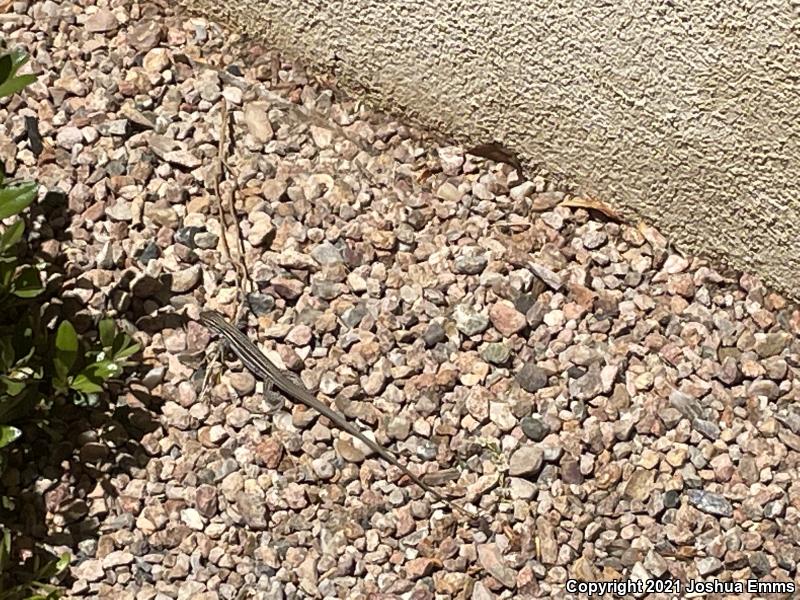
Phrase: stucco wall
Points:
(684, 112)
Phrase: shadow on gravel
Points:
(62, 477)
(64, 472)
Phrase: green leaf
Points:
(50, 569)
(107, 332)
(6, 353)
(20, 57)
(81, 383)
(7, 269)
(123, 346)
(6, 66)
(63, 562)
(27, 283)
(16, 198)
(5, 548)
(5, 545)
(12, 387)
(12, 235)
(9, 65)
(121, 340)
(90, 380)
(12, 86)
(66, 349)
(8, 434)
(126, 352)
(102, 370)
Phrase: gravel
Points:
(618, 409)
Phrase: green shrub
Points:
(38, 367)
(36, 586)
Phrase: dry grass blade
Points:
(220, 168)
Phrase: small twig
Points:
(245, 279)
(221, 167)
(217, 174)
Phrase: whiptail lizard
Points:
(256, 362)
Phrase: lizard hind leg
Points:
(272, 399)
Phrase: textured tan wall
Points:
(684, 112)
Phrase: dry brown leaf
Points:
(592, 204)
